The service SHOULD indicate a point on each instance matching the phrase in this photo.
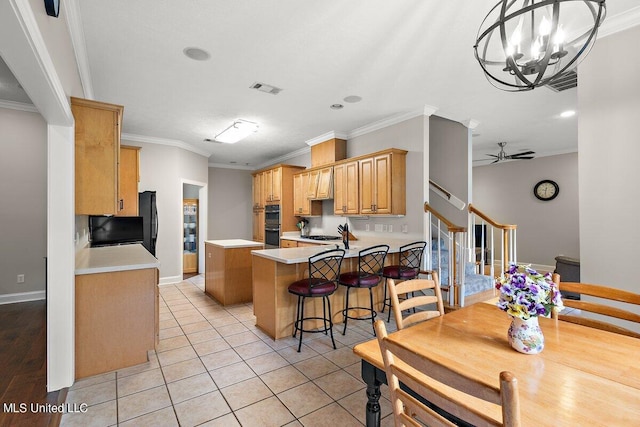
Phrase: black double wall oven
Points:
(272, 226)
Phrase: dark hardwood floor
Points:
(23, 368)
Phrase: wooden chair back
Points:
(604, 294)
(458, 394)
(419, 299)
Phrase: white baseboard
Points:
(170, 280)
(22, 297)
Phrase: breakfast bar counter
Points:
(275, 269)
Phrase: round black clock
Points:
(52, 7)
(546, 190)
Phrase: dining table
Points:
(583, 376)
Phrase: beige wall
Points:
(448, 166)
(608, 142)
(504, 191)
(23, 210)
(165, 169)
(230, 202)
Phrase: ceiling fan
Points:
(525, 155)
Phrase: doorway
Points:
(192, 233)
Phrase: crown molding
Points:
(620, 22)
(427, 110)
(230, 166)
(164, 141)
(471, 123)
(20, 106)
(327, 136)
(76, 32)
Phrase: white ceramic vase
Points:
(525, 335)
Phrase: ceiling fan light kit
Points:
(524, 44)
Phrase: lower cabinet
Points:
(116, 320)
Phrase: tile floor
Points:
(213, 367)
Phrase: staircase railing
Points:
(454, 240)
(482, 237)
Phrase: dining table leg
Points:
(373, 377)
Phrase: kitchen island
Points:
(228, 270)
(275, 269)
(116, 308)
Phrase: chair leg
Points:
(373, 313)
(346, 311)
(384, 298)
(385, 293)
(324, 316)
(330, 322)
(295, 324)
(301, 324)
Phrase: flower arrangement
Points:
(525, 293)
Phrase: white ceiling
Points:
(398, 56)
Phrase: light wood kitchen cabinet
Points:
(382, 183)
(285, 243)
(129, 179)
(320, 184)
(345, 188)
(97, 156)
(302, 204)
(116, 320)
(272, 185)
(258, 225)
(258, 201)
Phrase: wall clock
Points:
(546, 190)
(52, 7)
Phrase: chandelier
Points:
(523, 44)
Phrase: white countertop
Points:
(114, 258)
(234, 243)
(298, 255)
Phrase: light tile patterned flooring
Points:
(213, 367)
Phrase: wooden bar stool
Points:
(369, 274)
(323, 272)
(407, 269)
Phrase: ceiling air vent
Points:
(565, 81)
(266, 88)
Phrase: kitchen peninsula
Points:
(116, 308)
(275, 269)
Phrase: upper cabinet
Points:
(321, 184)
(345, 188)
(258, 202)
(377, 181)
(97, 156)
(272, 185)
(129, 179)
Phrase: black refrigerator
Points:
(149, 214)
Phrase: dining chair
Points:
(324, 268)
(408, 267)
(447, 391)
(420, 299)
(601, 306)
(368, 276)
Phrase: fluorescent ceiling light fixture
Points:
(238, 130)
(568, 113)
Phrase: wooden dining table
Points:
(584, 376)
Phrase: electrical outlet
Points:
(378, 227)
(405, 228)
(20, 278)
(390, 228)
(366, 227)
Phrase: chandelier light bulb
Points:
(545, 27)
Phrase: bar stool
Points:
(323, 272)
(407, 269)
(370, 263)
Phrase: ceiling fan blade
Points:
(492, 155)
(520, 158)
(495, 161)
(524, 153)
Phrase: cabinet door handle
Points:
(121, 204)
